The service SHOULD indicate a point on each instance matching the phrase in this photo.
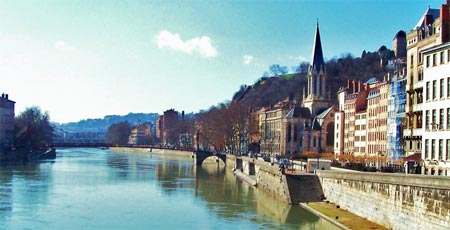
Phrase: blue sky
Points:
(88, 59)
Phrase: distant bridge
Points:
(201, 155)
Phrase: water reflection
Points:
(95, 189)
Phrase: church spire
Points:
(317, 55)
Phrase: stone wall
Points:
(395, 201)
(272, 180)
(231, 161)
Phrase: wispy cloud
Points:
(62, 45)
(298, 58)
(200, 45)
(247, 59)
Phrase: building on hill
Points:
(432, 29)
(6, 121)
(140, 135)
(399, 45)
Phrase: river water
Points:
(99, 189)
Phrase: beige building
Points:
(271, 127)
(432, 29)
(140, 135)
(377, 115)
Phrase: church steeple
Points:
(315, 98)
(317, 54)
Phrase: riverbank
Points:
(340, 217)
(171, 152)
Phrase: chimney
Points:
(354, 86)
(6, 96)
(445, 22)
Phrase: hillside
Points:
(270, 90)
(101, 125)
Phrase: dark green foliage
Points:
(32, 128)
(118, 133)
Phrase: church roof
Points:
(317, 55)
(298, 111)
(324, 113)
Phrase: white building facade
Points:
(436, 111)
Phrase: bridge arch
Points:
(201, 155)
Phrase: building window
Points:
(448, 149)
(427, 61)
(433, 118)
(435, 61)
(433, 149)
(428, 93)
(441, 149)
(427, 120)
(442, 58)
(448, 87)
(441, 119)
(448, 118)
(427, 150)
(441, 89)
(434, 89)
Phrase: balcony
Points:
(418, 85)
(407, 132)
(417, 107)
(417, 132)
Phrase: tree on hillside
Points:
(118, 133)
(32, 128)
(277, 70)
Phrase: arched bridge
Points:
(201, 155)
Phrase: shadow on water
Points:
(231, 198)
(27, 181)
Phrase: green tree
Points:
(118, 133)
(33, 128)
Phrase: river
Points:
(98, 189)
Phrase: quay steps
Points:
(304, 188)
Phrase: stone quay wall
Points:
(396, 201)
(271, 179)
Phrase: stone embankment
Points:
(396, 201)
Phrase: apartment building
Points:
(271, 126)
(377, 114)
(432, 29)
(436, 107)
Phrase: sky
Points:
(87, 59)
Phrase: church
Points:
(309, 127)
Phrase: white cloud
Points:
(200, 45)
(298, 58)
(62, 45)
(248, 59)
